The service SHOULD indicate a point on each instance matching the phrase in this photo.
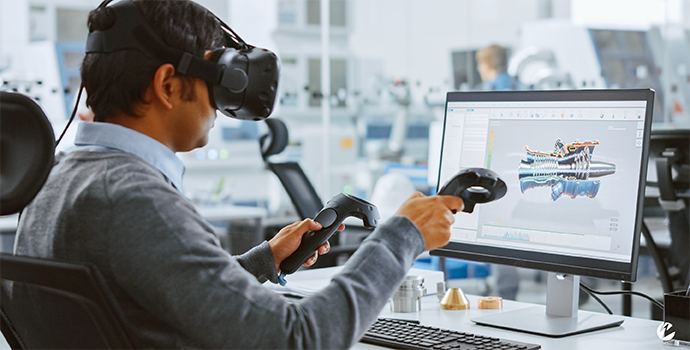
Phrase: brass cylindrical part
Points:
(490, 303)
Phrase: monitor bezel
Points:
(625, 271)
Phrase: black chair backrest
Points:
(45, 304)
(275, 140)
(294, 180)
(55, 305)
(27, 143)
(297, 185)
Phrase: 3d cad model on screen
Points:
(567, 170)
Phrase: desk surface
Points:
(219, 213)
(634, 333)
(232, 212)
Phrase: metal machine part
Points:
(408, 298)
(567, 170)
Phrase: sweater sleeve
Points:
(164, 258)
(259, 261)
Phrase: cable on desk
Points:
(591, 291)
(587, 290)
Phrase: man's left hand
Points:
(288, 239)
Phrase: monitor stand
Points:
(559, 318)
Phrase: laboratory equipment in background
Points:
(628, 60)
(49, 74)
(298, 42)
(394, 129)
(306, 147)
(557, 44)
(384, 118)
(465, 74)
(537, 69)
(560, 53)
(43, 59)
(675, 76)
(229, 169)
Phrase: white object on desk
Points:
(307, 282)
(9, 222)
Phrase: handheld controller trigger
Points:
(475, 185)
(330, 217)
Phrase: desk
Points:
(242, 226)
(634, 333)
(244, 230)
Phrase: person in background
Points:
(492, 64)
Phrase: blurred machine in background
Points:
(675, 76)
(49, 74)
(537, 69)
(465, 74)
(42, 48)
(561, 54)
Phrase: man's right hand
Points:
(433, 215)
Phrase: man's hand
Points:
(433, 216)
(288, 239)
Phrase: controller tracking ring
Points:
(475, 185)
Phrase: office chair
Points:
(670, 152)
(76, 309)
(294, 180)
(298, 187)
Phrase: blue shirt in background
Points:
(503, 81)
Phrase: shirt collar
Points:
(117, 137)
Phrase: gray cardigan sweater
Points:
(176, 286)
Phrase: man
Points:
(492, 64)
(115, 201)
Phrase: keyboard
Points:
(410, 334)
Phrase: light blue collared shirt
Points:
(108, 137)
(502, 82)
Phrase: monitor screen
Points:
(574, 164)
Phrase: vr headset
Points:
(242, 79)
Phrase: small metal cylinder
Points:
(408, 298)
(440, 290)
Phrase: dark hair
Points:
(116, 82)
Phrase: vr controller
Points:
(475, 185)
(330, 217)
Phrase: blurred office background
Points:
(376, 108)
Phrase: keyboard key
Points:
(381, 336)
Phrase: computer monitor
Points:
(575, 164)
